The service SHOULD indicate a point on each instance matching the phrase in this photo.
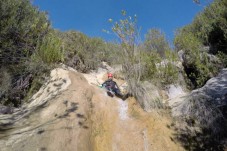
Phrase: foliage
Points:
(82, 52)
(85, 53)
(21, 26)
(158, 59)
(187, 41)
(160, 71)
(198, 64)
(127, 32)
(150, 61)
(223, 58)
(140, 63)
(26, 44)
(111, 53)
(168, 70)
(209, 28)
(49, 49)
(5, 80)
(155, 41)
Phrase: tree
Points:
(128, 33)
(156, 41)
(131, 58)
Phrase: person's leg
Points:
(120, 95)
(109, 91)
(125, 96)
(117, 93)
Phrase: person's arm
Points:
(104, 83)
(116, 86)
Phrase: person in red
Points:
(111, 85)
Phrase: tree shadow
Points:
(73, 107)
(43, 149)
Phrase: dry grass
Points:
(202, 109)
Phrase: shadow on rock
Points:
(10, 121)
(197, 139)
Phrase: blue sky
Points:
(91, 16)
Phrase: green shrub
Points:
(21, 27)
(223, 58)
(160, 71)
(111, 53)
(156, 41)
(49, 49)
(187, 41)
(5, 83)
(208, 29)
(85, 53)
(168, 72)
(210, 26)
(150, 61)
(197, 64)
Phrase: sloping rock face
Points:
(205, 103)
(56, 119)
(215, 89)
(175, 91)
(176, 94)
(69, 113)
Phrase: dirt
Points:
(81, 117)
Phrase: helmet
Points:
(110, 75)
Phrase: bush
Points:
(156, 41)
(168, 70)
(160, 71)
(21, 27)
(208, 29)
(223, 58)
(25, 39)
(49, 49)
(5, 83)
(210, 26)
(150, 61)
(85, 53)
(197, 63)
(136, 63)
(111, 53)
